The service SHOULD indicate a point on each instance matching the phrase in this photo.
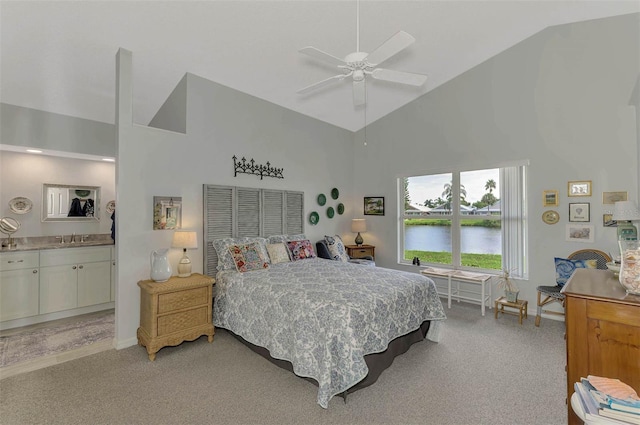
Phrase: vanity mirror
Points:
(70, 203)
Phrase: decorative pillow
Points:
(336, 248)
(278, 253)
(566, 267)
(225, 260)
(248, 257)
(299, 250)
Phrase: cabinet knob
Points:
(35, 271)
(80, 267)
(74, 267)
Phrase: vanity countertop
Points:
(50, 242)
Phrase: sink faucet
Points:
(83, 238)
(61, 237)
(73, 238)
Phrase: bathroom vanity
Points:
(44, 280)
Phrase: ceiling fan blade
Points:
(393, 45)
(322, 83)
(359, 93)
(399, 77)
(319, 54)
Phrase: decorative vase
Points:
(512, 296)
(160, 267)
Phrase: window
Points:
(467, 219)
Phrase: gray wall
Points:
(559, 99)
(38, 129)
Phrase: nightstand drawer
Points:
(362, 252)
(182, 321)
(182, 299)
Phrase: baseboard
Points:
(124, 343)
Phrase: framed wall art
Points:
(613, 197)
(579, 212)
(580, 188)
(580, 233)
(608, 221)
(167, 212)
(374, 205)
(550, 198)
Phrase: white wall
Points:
(559, 99)
(24, 174)
(221, 122)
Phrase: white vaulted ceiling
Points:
(59, 56)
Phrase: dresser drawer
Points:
(182, 299)
(19, 260)
(361, 252)
(183, 320)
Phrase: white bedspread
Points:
(324, 316)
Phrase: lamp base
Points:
(359, 240)
(627, 231)
(184, 266)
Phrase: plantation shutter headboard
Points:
(235, 212)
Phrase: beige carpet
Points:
(484, 371)
(56, 339)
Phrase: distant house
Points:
(416, 210)
(444, 209)
(491, 209)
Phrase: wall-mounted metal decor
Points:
(250, 167)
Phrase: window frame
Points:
(513, 217)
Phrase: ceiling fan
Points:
(358, 65)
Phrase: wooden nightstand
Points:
(175, 311)
(359, 251)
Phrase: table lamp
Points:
(358, 225)
(623, 213)
(184, 240)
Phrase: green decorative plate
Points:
(330, 212)
(322, 199)
(340, 208)
(335, 193)
(314, 217)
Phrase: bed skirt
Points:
(376, 362)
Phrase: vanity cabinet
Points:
(74, 277)
(19, 282)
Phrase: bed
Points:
(336, 323)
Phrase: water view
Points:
(478, 240)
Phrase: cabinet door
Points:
(58, 288)
(18, 294)
(94, 283)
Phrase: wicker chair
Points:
(552, 293)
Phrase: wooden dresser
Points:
(175, 311)
(603, 330)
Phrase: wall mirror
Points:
(70, 202)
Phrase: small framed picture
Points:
(580, 233)
(613, 197)
(374, 205)
(167, 212)
(608, 221)
(580, 188)
(579, 212)
(550, 198)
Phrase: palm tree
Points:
(407, 198)
(490, 185)
(447, 194)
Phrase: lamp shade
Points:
(358, 225)
(625, 211)
(185, 240)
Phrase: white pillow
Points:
(278, 253)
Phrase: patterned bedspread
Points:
(324, 316)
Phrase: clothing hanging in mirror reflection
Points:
(81, 208)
